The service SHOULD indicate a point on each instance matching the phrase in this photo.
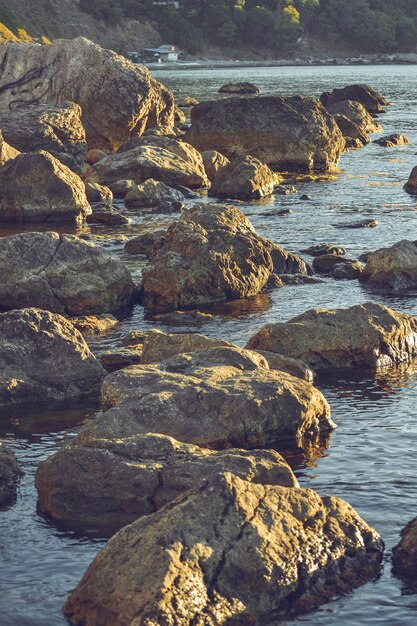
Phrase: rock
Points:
(366, 335)
(116, 97)
(187, 102)
(136, 476)
(390, 141)
(55, 128)
(167, 208)
(121, 357)
(393, 268)
(170, 161)
(47, 190)
(179, 116)
(354, 136)
(10, 474)
(107, 214)
(98, 193)
(299, 279)
(146, 243)
(183, 318)
(95, 155)
(62, 274)
(294, 133)
(43, 358)
(356, 113)
(239, 88)
(276, 212)
(294, 367)
(7, 153)
(93, 324)
(364, 94)
(243, 179)
(230, 551)
(361, 224)
(404, 554)
(121, 188)
(212, 253)
(305, 197)
(348, 270)
(151, 193)
(325, 263)
(284, 190)
(158, 346)
(213, 162)
(411, 184)
(320, 249)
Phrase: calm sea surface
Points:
(372, 457)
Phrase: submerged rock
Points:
(10, 474)
(42, 359)
(390, 141)
(222, 553)
(107, 484)
(393, 268)
(240, 88)
(243, 179)
(367, 335)
(411, 184)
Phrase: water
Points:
(371, 458)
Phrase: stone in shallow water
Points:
(393, 268)
(10, 474)
(404, 554)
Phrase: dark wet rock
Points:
(10, 474)
(43, 358)
(299, 279)
(116, 97)
(146, 243)
(7, 153)
(55, 128)
(411, 184)
(167, 208)
(243, 179)
(240, 88)
(151, 193)
(98, 193)
(284, 190)
(294, 133)
(121, 188)
(131, 477)
(119, 358)
(63, 274)
(47, 190)
(107, 214)
(325, 263)
(362, 224)
(222, 553)
(305, 197)
(241, 403)
(364, 94)
(277, 212)
(393, 268)
(94, 155)
(366, 335)
(320, 249)
(404, 554)
(158, 346)
(94, 324)
(213, 162)
(390, 141)
(212, 253)
(348, 270)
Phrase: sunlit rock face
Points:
(393, 268)
(368, 97)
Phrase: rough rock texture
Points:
(94, 155)
(187, 102)
(212, 253)
(354, 136)
(368, 335)
(117, 98)
(62, 274)
(56, 128)
(159, 346)
(240, 88)
(146, 243)
(411, 184)
(151, 193)
(121, 187)
(107, 484)
(105, 213)
(293, 133)
(223, 554)
(393, 268)
(294, 367)
(324, 248)
(213, 162)
(390, 141)
(404, 554)
(325, 263)
(94, 325)
(364, 94)
(243, 179)
(10, 474)
(98, 193)
(7, 153)
(356, 113)
(43, 358)
(171, 161)
(218, 398)
(46, 190)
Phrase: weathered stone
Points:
(325, 263)
(10, 474)
(294, 367)
(121, 187)
(7, 153)
(366, 335)
(98, 193)
(404, 554)
(354, 136)
(411, 184)
(36, 187)
(390, 141)
(151, 193)
(55, 128)
(243, 179)
(369, 223)
(187, 102)
(146, 243)
(212, 253)
(319, 249)
(293, 133)
(159, 346)
(93, 324)
(61, 273)
(107, 484)
(356, 113)
(241, 403)
(119, 358)
(107, 214)
(179, 116)
(228, 552)
(94, 155)
(213, 162)
(116, 97)
(43, 358)
(348, 270)
(240, 88)
(394, 267)
(364, 94)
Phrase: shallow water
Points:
(371, 461)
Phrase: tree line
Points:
(273, 27)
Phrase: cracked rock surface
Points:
(367, 335)
(106, 484)
(61, 273)
(218, 398)
(393, 268)
(230, 552)
(43, 358)
(10, 474)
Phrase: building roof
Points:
(164, 49)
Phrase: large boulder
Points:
(7, 153)
(43, 358)
(36, 187)
(150, 194)
(393, 268)
(220, 397)
(10, 474)
(364, 94)
(404, 554)
(212, 253)
(61, 273)
(356, 113)
(229, 552)
(243, 179)
(411, 184)
(158, 346)
(107, 484)
(390, 141)
(368, 335)
(56, 128)
(213, 162)
(171, 161)
(294, 133)
(240, 88)
(117, 98)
